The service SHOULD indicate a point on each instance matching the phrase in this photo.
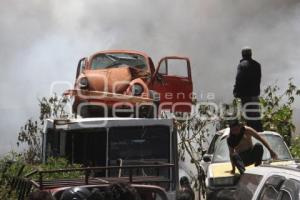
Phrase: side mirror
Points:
(207, 157)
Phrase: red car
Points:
(125, 81)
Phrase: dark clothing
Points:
(247, 82)
(185, 194)
(248, 157)
(234, 140)
(253, 119)
(247, 88)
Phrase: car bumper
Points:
(106, 97)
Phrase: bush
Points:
(14, 164)
(295, 147)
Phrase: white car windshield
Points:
(221, 153)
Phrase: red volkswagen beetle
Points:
(125, 82)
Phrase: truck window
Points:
(53, 144)
(140, 146)
(86, 146)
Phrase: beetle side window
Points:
(163, 69)
(177, 67)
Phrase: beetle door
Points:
(173, 81)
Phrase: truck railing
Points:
(38, 178)
(86, 178)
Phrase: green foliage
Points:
(278, 111)
(59, 163)
(30, 134)
(295, 147)
(11, 165)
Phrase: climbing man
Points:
(242, 152)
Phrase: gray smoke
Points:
(41, 42)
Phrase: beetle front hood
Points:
(115, 80)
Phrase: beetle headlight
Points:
(137, 89)
(222, 181)
(83, 83)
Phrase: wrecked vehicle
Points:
(124, 81)
(140, 152)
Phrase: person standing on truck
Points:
(242, 152)
(247, 88)
(186, 192)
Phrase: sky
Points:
(41, 42)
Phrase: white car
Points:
(216, 162)
(269, 182)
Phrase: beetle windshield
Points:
(221, 153)
(114, 60)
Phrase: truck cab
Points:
(138, 151)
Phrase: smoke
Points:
(41, 42)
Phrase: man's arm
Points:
(253, 133)
(238, 79)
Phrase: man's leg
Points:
(253, 119)
(238, 162)
(257, 153)
(253, 155)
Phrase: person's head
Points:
(123, 191)
(184, 195)
(184, 181)
(76, 193)
(40, 195)
(235, 126)
(246, 52)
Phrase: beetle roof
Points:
(122, 51)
